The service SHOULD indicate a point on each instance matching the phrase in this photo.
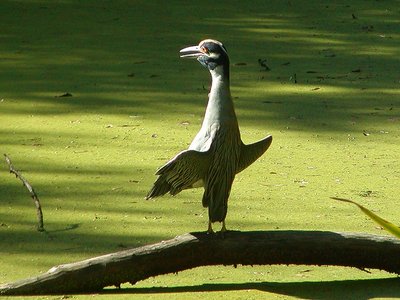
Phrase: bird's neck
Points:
(220, 105)
(220, 88)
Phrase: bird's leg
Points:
(210, 230)
(223, 228)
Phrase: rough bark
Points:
(199, 249)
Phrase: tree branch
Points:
(40, 226)
(200, 249)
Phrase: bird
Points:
(217, 152)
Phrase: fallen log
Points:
(192, 250)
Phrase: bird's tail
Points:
(216, 199)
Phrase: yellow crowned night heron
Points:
(217, 153)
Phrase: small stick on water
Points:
(40, 226)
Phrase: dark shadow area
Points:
(61, 242)
(354, 289)
(69, 227)
(108, 57)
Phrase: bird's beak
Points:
(192, 51)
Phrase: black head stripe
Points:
(217, 56)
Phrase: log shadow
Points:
(342, 289)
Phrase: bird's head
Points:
(210, 53)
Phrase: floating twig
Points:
(34, 196)
(64, 95)
(263, 64)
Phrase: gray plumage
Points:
(217, 153)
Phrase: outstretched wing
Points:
(250, 153)
(181, 172)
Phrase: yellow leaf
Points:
(393, 229)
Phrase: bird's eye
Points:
(204, 50)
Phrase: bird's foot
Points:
(220, 233)
(223, 230)
(210, 230)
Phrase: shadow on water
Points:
(356, 289)
(120, 55)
